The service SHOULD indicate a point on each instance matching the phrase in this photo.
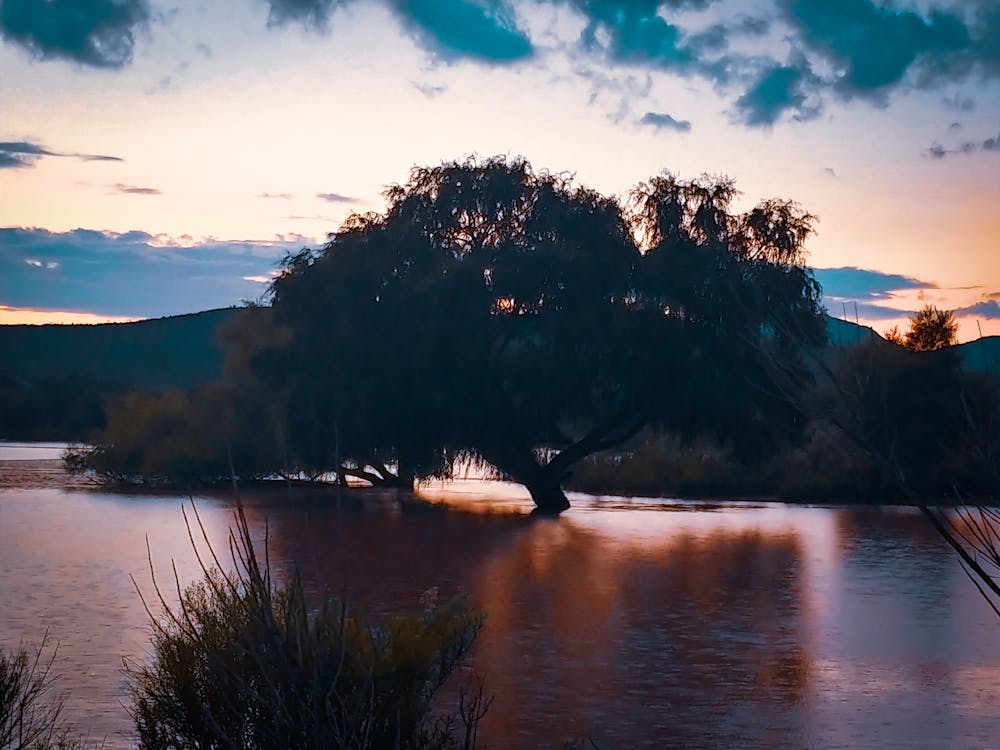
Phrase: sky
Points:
(159, 158)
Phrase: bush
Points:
(31, 718)
(243, 663)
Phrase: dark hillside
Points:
(179, 351)
(55, 379)
(981, 355)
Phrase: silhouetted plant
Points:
(242, 662)
(931, 329)
(31, 714)
(515, 315)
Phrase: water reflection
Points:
(639, 624)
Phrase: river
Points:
(636, 623)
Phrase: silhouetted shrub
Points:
(243, 662)
(31, 716)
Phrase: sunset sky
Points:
(159, 157)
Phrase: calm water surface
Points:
(636, 623)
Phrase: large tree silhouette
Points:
(519, 318)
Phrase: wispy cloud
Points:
(336, 198)
(429, 90)
(24, 154)
(937, 151)
(125, 189)
(280, 196)
(989, 308)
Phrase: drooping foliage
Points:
(513, 315)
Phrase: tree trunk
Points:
(548, 496)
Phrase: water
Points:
(636, 623)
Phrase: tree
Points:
(931, 329)
(515, 317)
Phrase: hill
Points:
(981, 355)
(179, 351)
(841, 332)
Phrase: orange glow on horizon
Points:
(28, 316)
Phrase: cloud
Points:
(829, 171)
(663, 121)
(96, 33)
(131, 274)
(429, 90)
(24, 154)
(454, 29)
(280, 196)
(986, 309)
(310, 13)
(121, 187)
(336, 198)
(937, 151)
(484, 30)
(633, 31)
(853, 283)
(777, 90)
(874, 45)
(13, 161)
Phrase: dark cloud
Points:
(989, 308)
(24, 154)
(25, 147)
(310, 13)
(663, 121)
(13, 161)
(937, 151)
(634, 31)
(132, 274)
(874, 45)
(133, 190)
(98, 33)
(451, 29)
(336, 198)
(777, 90)
(853, 283)
(456, 29)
